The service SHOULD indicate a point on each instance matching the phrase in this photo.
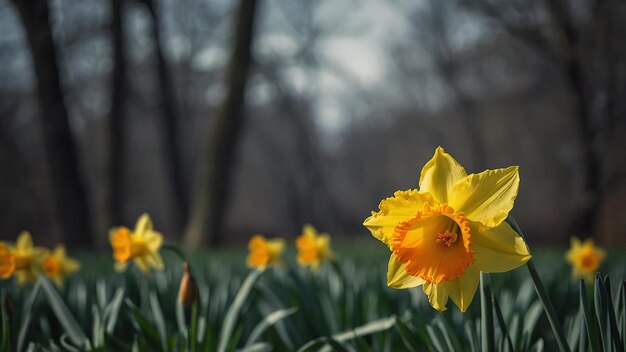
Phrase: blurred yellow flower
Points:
(264, 252)
(313, 248)
(7, 262)
(57, 265)
(443, 235)
(585, 258)
(26, 259)
(142, 245)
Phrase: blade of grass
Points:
(369, 328)
(599, 298)
(235, 307)
(612, 318)
(67, 345)
(486, 317)
(451, 339)
(622, 311)
(590, 322)
(435, 337)
(27, 315)
(267, 322)
(144, 327)
(112, 311)
(6, 328)
(193, 328)
(409, 339)
(505, 331)
(557, 329)
(257, 347)
(159, 320)
(97, 329)
(65, 318)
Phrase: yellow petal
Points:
(141, 264)
(486, 197)
(498, 249)
(462, 290)
(70, 266)
(398, 277)
(154, 260)
(154, 240)
(24, 241)
(309, 230)
(439, 175)
(59, 251)
(276, 247)
(143, 225)
(401, 207)
(437, 295)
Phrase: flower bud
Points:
(188, 292)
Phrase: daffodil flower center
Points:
(52, 266)
(589, 261)
(447, 238)
(7, 263)
(435, 244)
(22, 262)
(126, 247)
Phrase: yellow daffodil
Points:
(142, 245)
(7, 262)
(57, 265)
(313, 248)
(585, 258)
(442, 235)
(23, 260)
(264, 252)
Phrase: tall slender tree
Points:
(210, 199)
(70, 199)
(116, 133)
(169, 120)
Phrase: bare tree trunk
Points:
(449, 69)
(213, 179)
(71, 204)
(574, 71)
(116, 136)
(169, 126)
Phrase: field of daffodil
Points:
(453, 273)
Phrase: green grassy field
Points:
(345, 307)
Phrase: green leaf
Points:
(144, 327)
(159, 320)
(193, 329)
(257, 347)
(612, 321)
(27, 315)
(97, 331)
(233, 311)
(590, 321)
(67, 345)
(267, 322)
(112, 311)
(408, 337)
(486, 314)
(505, 331)
(6, 327)
(369, 328)
(67, 321)
(336, 345)
(602, 313)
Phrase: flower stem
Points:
(486, 319)
(557, 329)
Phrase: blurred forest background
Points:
(227, 118)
